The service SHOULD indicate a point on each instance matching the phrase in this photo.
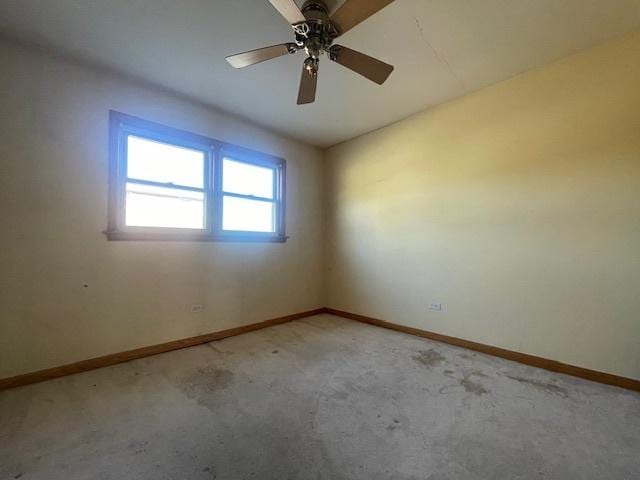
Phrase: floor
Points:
(320, 398)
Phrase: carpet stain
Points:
(205, 382)
(473, 387)
(466, 382)
(138, 447)
(210, 471)
(340, 395)
(429, 358)
(541, 385)
(394, 425)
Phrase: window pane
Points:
(164, 163)
(244, 215)
(149, 206)
(247, 179)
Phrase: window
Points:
(166, 184)
(248, 203)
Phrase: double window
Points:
(167, 184)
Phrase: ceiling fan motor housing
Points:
(315, 10)
(319, 32)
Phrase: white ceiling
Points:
(441, 49)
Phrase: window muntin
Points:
(247, 179)
(153, 206)
(168, 184)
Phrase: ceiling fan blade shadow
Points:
(289, 10)
(252, 57)
(354, 12)
(375, 70)
(308, 85)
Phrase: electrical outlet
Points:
(436, 307)
(197, 308)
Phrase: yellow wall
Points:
(517, 208)
(53, 208)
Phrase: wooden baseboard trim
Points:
(113, 359)
(531, 360)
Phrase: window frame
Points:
(122, 125)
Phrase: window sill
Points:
(120, 236)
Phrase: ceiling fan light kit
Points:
(315, 31)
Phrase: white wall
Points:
(53, 204)
(517, 208)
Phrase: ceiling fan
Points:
(315, 30)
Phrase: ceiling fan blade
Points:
(289, 10)
(354, 12)
(252, 57)
(308, 84)
(369, 67)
